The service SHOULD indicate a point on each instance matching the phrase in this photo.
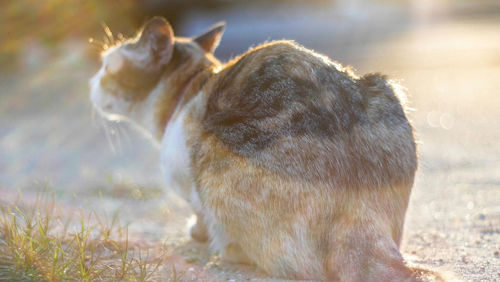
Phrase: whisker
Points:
(98, 44)
(116, 134)
(92, 115)
(107, 43)
(108, 136)
(109, 34)
(124, 133)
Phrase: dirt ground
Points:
(451, 68)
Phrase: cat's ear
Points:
(209, 40)
(157, 37)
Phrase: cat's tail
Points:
(378, 260)
(423, 273)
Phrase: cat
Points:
(290, 161)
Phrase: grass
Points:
(37, 243)
(123, 189)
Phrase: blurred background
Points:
(446, 53)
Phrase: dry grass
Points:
(125, 189)
(37, 243)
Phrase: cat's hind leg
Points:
(234, 253)
(221, 243)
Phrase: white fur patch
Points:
(104, 101)
(113, 108)
(115, 63)
(96, 95)
(175, 157)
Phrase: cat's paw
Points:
(234, 254)
(199, 231)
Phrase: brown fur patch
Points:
(184, 76)
(300, 165)
(308, 166)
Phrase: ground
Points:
(451, 69)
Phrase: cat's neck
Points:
(170, 94)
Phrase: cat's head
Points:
(131, 70)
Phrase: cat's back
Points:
(294, 111)
(280, 87)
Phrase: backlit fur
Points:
(290, 161)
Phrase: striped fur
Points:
(290, 161)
